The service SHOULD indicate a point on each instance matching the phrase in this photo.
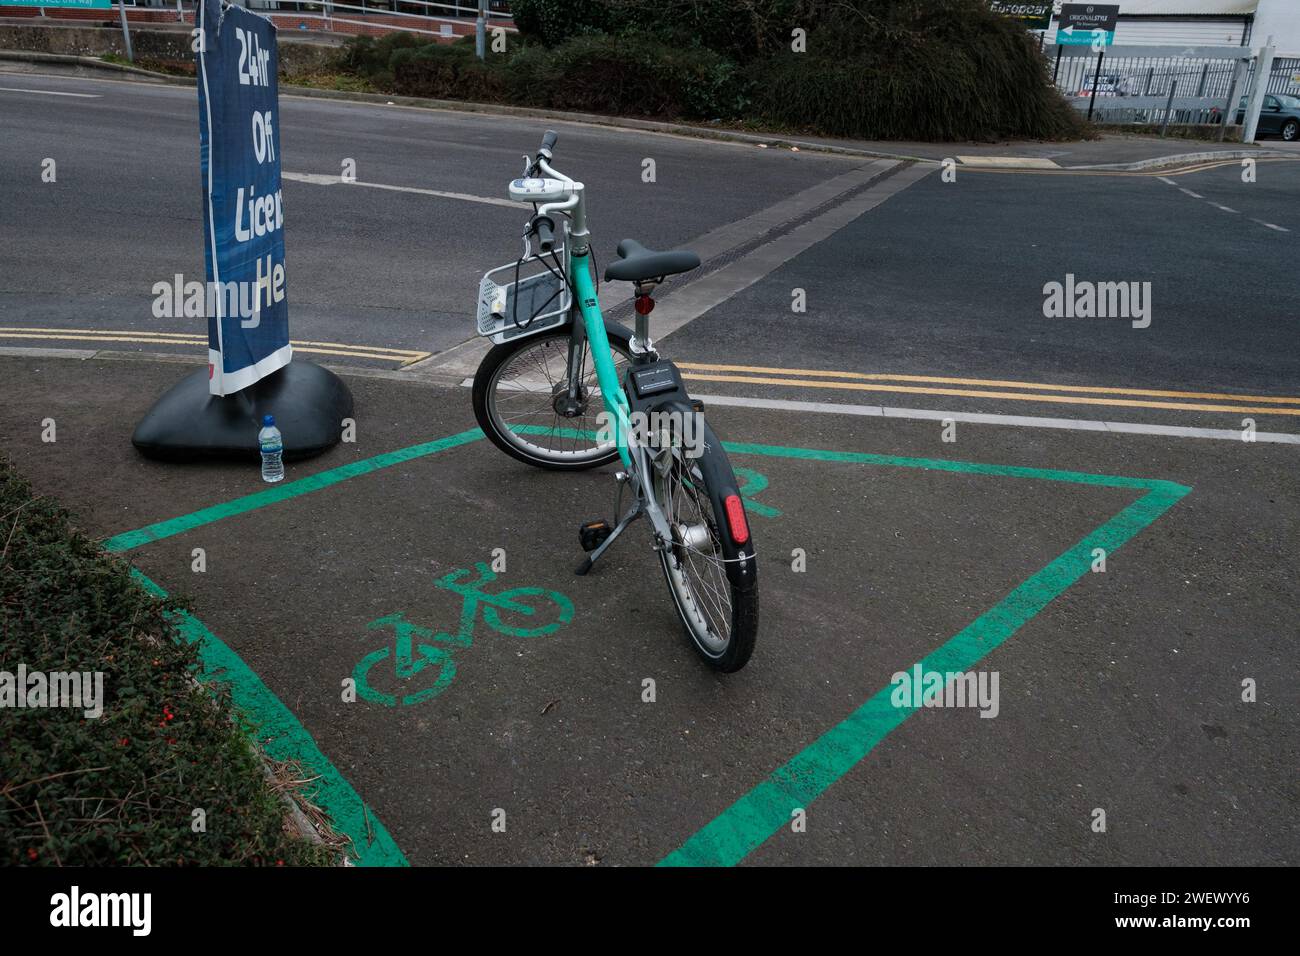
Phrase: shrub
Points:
(902, 69)
(444, 71)
(873, 69)
(638, 75)
(555, 21)
(120, 788)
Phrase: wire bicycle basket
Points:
(523, 305)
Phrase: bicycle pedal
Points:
(593, 534)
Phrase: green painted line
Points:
(942, 464)
(767, 808)
(762, 812)
(281, 735)
(283, 492)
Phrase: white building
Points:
(1207, 23)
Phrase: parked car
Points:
(1280, 116)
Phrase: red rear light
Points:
(736, 518)
(644, 305)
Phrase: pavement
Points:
(1121, 693)
(871, 340)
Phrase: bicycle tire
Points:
(488, 402)
(690, 493)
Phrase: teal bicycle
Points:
(565, 389)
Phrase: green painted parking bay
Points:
(907, 559)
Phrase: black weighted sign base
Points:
(188, 424)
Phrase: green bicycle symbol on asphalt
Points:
(417, 649)
(754, 482)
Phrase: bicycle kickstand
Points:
(632, 514)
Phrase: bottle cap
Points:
(268, 421)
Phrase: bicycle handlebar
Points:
(545, 230)
(548, 144)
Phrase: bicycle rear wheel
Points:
(709, 565)
(521, 400)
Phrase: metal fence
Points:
(355, 17)
(1143, 85)
(421, 17)
(1285, 76)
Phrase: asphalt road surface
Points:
(872, 339)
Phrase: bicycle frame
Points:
(592, 328)
(633, 455)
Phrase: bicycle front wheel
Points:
(523, 405)
(709, 564)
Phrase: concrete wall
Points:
(162, 42)
(1281, 18)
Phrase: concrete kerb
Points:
(595, 119)
(78, 64)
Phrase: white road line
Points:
(1270, 225)
(1166, 179)
(84, 96)
(318, 179)
(1190, 193)
(1224, 208)
(981, 418)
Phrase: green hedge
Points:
(117, 789)
(626, 75)
(871, 69)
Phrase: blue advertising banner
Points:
(243, 213)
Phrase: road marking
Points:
(283, 737)
(1009, 396)
(84, 96)
(1195, 195)
(383, 353)
(1162, 174)
(694, 299)
(998, 383)
(318, 179)
(766, 809)
(292, 489)
(984, 418)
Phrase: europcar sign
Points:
(1034, 14)
(243, 211)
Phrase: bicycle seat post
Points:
(644, 303)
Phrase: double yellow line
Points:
(1155, 171)
(992, 388)
(402, 357)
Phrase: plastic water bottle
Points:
(272, 446)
